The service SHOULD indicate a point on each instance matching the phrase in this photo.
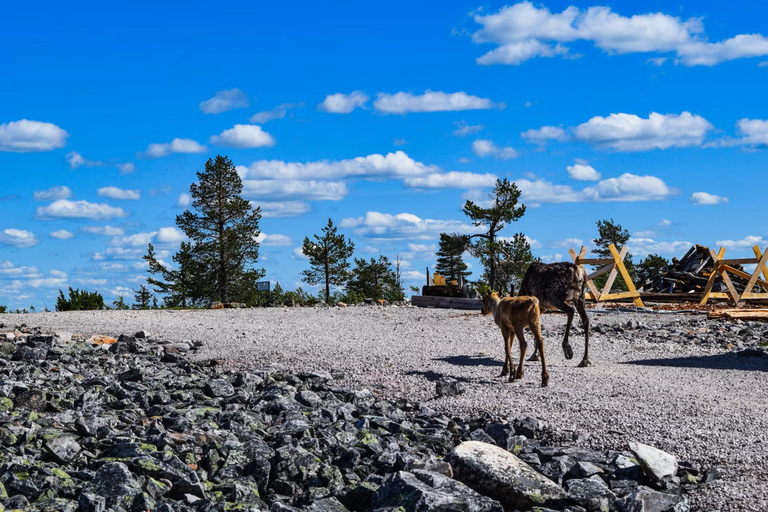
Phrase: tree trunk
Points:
(327, 283)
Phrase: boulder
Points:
(425, 491)
(496, 473)
(656, 464)
(446, 386)
(648, 500)
(591, 493)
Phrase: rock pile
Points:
(130, 424)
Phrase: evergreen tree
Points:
(180, 287)
(119, 304)
(610, 232)
(517, 256)
(649, 267)
(80, 301)
(328, 256)
(224, 229)
(374, 279)
(503, 209)
(142, 298)
(450, 259)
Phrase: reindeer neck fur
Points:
(495, 301)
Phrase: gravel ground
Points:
(665, 380)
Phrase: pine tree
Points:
(649, 267)
(503, 209)
(517, 257)
(142, 298)
(610, 232)
(180, 287)
(224, 229)
(119, 304)
(328, 256)
(374, 279)
(450, 259)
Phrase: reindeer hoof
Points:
(585, 363)
(568, 351)
(504, 374)
(534, 357)
(544, 383)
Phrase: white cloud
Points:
(705, 198)
(271, 209)
(53, 194)
(58, 273)
(119, 193)
(132, 252)
(244, 136)
(298, 253)
(404, 226)
(175, 146)
(640, 246)
(544, 134)
(463, 129)
(452, 179)
(568, 243)
(431, 101)
(629, 132)
(274, 239)
(25, 136)
(340, 103)
(583, 172)
(9, 270)
(18, 238)
(184, 200)
(126, 168)
(524, 31)
(121, 291)
(748, 241)
(135, 240)
(535, 244)
(415, 275)
(64, 208)
(484, 148)
(296, 189)
(87, 281)
(399, 142)
(627, 187)
(75, 160)
(754, 133)
(397, 164)
(170, 235)
(276, 113)
(223, 101)
(103, 230)
(665, 222)
(61, 234)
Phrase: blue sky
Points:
(384, 119)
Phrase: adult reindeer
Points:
(560, 286)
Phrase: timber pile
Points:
(739, 314)
(689, 275)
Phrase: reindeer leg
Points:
(581, 307)
(569, 311)
(536, 328)
(507, 362)
(523, 348)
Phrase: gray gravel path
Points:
(669, 383)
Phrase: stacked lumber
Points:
(739, 314)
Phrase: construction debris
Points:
(739, 314)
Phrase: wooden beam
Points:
(447, 302)
(713, 276)
(623, 270)
(576, 259)
(758, 255)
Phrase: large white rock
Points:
(656, 464)
(498, 474)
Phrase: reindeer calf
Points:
(512, 315)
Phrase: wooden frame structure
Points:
(614, 265)
(722, 267)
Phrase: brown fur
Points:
(512, 315)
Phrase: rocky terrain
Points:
(692, 387)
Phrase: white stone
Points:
(656, 464)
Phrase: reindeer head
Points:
(488, 297)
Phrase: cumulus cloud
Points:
(298, 253)
(244, 136)
(404, 226)
(224, 101)
(748, 241)
(25, 136)
(397, 164)
(484, 148)
(271, 209)
(340, 103)
(627, 187)
(705, 198)
(53, 194)
(64, 208)
(170, 235)
(278, 112)
(184, 200)
(753, 133)
(524, 31)
(62, 234)
(103, 230)
(18, 238)
(463, 129)
(75, 160)
(175, 146)
(629, 132)
(274, 240)
(639, 246)
(119, 193)
(431, 101)
(452, 179)
(126, 168)
(583, 172)
(295, 189)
